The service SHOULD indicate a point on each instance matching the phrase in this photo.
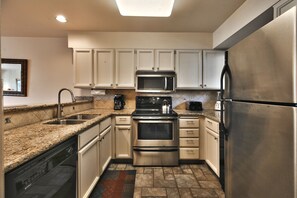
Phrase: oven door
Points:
(155, 133)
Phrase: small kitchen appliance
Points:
(155, 82)
(218, 102)
(119, 102)
(194, 106)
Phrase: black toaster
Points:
(194, 106)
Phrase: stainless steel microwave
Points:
(155, 82)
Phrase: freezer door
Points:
(260, 151)
(263, 65)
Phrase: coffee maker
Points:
(119, 102)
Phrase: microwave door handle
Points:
(165, 86)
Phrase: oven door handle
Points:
(156, 149)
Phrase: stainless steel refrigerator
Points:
(259, 128)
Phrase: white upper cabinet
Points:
(197, 72)
(145, 60)
(189, 69)
(125, 68)
(103, 68)
(83, 68)
(164, 60)
(155, 60)
(213, 63)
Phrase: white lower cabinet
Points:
(123, 141)
(189, 138)
(105, 149)
(212, 146)
(88, 161)
(123, 137)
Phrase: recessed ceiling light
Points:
(61, 19)
(145, 8)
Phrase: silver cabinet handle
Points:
(124, 129)
(165, 86)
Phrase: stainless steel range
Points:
(155, 135)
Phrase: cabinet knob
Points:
(158, 68)
(90, 84)
(201, 85)
(204, 85)
(152, 68)
(216, 138)
(110, 84)
(117, 84)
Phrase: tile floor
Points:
(185, 181)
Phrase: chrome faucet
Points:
(60, 108)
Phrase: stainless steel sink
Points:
(65, 122)
(82, 116)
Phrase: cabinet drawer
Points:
(123, 120)
(87, 136)
(189, 123)
(189, 142)
(188, 132)
(213, 125)
(104, 124)
(189, 153)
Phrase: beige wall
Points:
(49, 68)
(140, 40)
(249, 10)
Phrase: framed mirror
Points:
(14, 75)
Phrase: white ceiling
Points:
(36, 18)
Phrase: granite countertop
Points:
(24, 143)
(211, 114)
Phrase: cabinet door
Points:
(123, 141)
(83, 68)
(88, 171)
(213, 63)
(189, 69)
(103, 68)
(212, 150)
(145, 60)
(125, 68)
(164, 60)
(105, 149)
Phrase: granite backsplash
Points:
(24, 115)
(179, 98)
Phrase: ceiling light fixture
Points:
(145, 8)
(61, 19)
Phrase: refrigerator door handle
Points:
(225, 70)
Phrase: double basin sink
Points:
(74, 119)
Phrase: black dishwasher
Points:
(51, 174)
